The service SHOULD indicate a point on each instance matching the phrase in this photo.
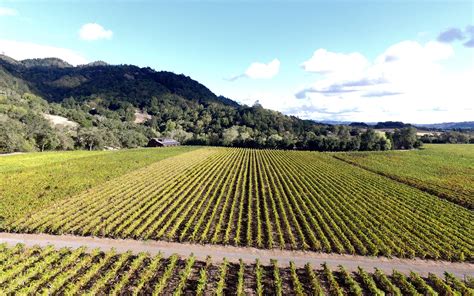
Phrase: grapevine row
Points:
(65, 271)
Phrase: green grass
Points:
(445, 170)
(33, 180)
(10, 163)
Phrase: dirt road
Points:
(247, 254)
(9, 154)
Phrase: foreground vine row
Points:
(71, 272)
(265, 199)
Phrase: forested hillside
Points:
(102, 106)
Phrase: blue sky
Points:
(216, 40)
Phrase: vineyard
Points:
(34, 180)
(30, 271)
(443, 170)
(264, 199)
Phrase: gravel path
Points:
(247, 254)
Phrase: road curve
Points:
(248, 255)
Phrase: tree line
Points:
(449, 137)
(110, 124)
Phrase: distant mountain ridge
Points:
(398, 124)
(449, 125)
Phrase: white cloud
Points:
(5, 11)
(407, 82)
(94, 31)
(335, 64)
(260, 71)
(26, 50)
(263, 71)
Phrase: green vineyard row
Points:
(47, 271)
(265, 199)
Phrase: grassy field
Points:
(264, 199)
(32, 181)
(17, 162)
(444, 170)
(31, 271)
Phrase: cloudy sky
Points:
(324, 60)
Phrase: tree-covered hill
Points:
(104, 99)
(55, 80)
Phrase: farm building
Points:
(161, 142)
